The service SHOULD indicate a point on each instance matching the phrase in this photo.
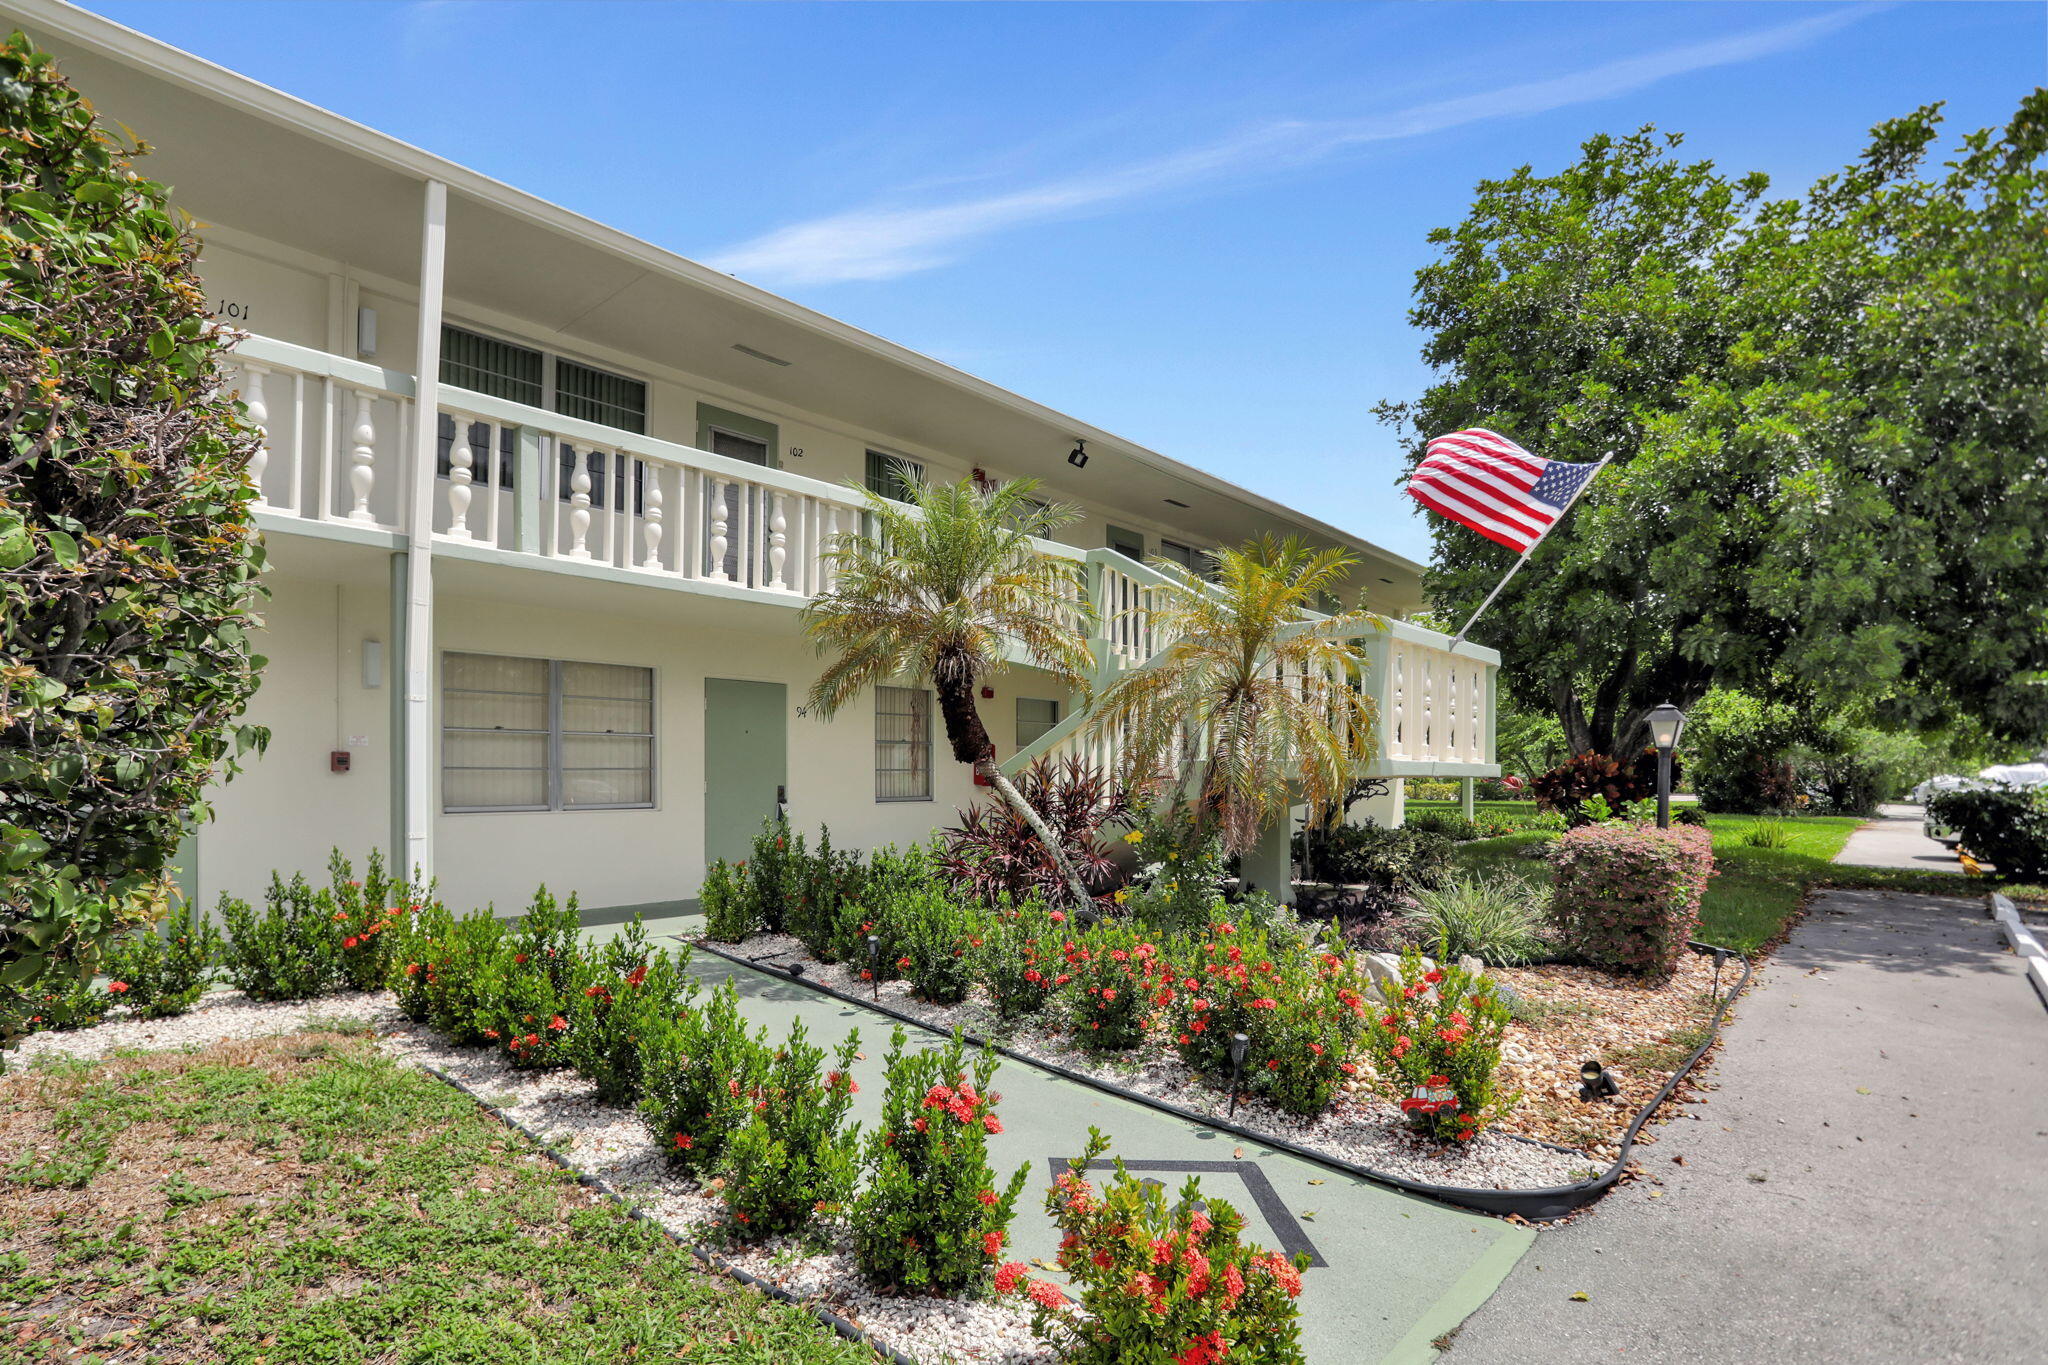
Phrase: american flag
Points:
(1483, 480)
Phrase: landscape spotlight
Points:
(1596, 1082)
(875, 963)
(1238, 1044)
(1667, 723)
(1078, 456)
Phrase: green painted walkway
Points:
(1393, 1273)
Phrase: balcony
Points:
(522, 485)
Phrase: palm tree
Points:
(1257, 703)
(941, 586)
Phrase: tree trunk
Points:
(972, 746)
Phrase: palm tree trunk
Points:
(972, 746)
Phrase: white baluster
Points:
(579, 506)
(362, 456)
(828, 576)
(259, 418)
(459, 461)
(718, 526)
(778, 545)
(650, 525)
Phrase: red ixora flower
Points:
(350, 942)
(987, 1197)
(637, 975)
(117, 987)
(558, 1023)
(1047, 1295)
(992, 1123)
(684, 1142)
(992, 1243)
(1010, 1275)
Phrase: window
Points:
(736, 435)
(610, 400)
(545, 734)
(903, 744)
(1035, 716)
(484, 364)
(1127, 543)
(1180, 554)
(891, 476)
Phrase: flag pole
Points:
(1523, 558)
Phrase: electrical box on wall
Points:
(366, 332)
(337, 761)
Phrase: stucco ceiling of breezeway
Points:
(241, 154)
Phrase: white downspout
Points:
(418, 739)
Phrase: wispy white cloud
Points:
(885, 241)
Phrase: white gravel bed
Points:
(218, 1017)
(1360, 1127)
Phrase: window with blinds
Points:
(595, 395)
(1180, 554)
(545, 734)
(484, 364)
(891, 476)
(1035, 716)
(903, 744)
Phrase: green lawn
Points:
(1756, 891)
(304, 1200)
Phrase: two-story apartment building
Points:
(542, 502)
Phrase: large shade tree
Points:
(945, 587)
(1252, 705)
(128, 555)
(1825, 413)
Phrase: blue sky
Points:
(1196, 225)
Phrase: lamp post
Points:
(1667, 722)
(1238, 1044)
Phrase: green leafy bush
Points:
(451, 969)
(1159, 1283)
(128, 551)
(730, 910)
(1435, 1049)
(929, 1218)
(631, 993)
(1627, 897)
(2005, 826)
(1177, 886)
(797, 1157)
(934, 938)
(60, 1000)
(1016, 957)
(831, 881)
(1102, 985)
(366, 911)
(776, 871)
(1392, 864)
(288, 951)
(525, 990)
(703, 1074)
(1499, 920)
(165, 969)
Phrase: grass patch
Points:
(306, 1201)
(1756, 891)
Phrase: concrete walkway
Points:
(1895, 839)
(1392, 1273)
(1869, 1182)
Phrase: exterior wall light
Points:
(1667, 723)
(1078, 456)
(1596, 1082)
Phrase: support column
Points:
(417, 739)
(1466, 788)
(1384, 811)
(1269, 867)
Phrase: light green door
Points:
(746, 757)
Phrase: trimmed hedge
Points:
(1627, 897)
(2006, 826)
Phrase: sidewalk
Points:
(1868, 1183)
(1895, 839)
(1392, 1272)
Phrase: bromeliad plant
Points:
(795, 1160)
(1159, 1283)
(930, 1219)
(1435, 1049)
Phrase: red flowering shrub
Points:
(1016, 957)
(703, 1075)
(1435, 1050)
(933, 936)
(1297, 1005)
(165, 967)
(1159, 1284)
(930, 1218)
(525, 990)
(1627, 897)
(1105, 980)
(365, 913)
(794, 1159)
(629, 993)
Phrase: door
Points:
(752, 441)
(746, 755)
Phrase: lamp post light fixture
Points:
(875, 963)
(1596, 1082)
(1667, 723)
(1238, 1044)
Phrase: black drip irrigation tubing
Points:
(709, 1259)
(1541, 1205)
